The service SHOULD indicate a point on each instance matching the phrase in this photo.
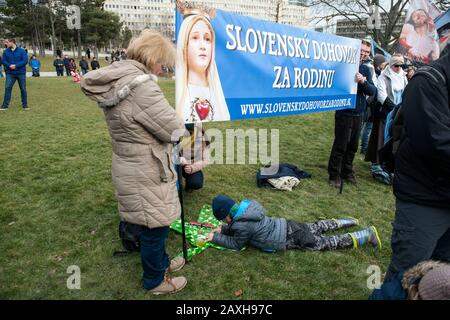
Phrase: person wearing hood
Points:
(391, 84)
(142, 125)
(35, 65)
(248, 224)
(428, 280)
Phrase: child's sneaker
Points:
(363, 236)
(346, 222)
(374, 238)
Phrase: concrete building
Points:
(160, 14)
(355, 29)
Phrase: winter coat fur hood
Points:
(412, 277)
(141, 123)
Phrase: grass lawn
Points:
(57, 209)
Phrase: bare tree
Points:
(358, 11)
(444, 5)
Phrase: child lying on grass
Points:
(247, 224)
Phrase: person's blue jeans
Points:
(154, 258)
(9, 84)
(366, 128)
(365, 135)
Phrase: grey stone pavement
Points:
(44, 74)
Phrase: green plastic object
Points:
(193, 232)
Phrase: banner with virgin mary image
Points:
(234, 67)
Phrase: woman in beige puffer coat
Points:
(142, 126)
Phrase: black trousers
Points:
(346, 136)
(419, 233)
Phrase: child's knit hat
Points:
(222, 206)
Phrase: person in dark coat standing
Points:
(348, 127)
(58, 63)
(88, 53)
(248, 224)
(66, 61)
(84, 66)
(421, 228)
(95, 64)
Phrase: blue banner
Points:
(233, 67)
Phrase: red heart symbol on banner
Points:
(202, 109)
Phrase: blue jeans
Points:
(365, 135)
(9, 84)
(154, 258)
(1, 71)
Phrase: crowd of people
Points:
(417, 102)
(70, 67)
(421, 187)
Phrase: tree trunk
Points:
(73, 48)
(95, 50)
(33, 43)
(79, 43)
(52, 22)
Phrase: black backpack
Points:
(396, 128)
(129, 234)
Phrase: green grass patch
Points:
(57, 209)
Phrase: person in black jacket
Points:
(84, 66)
(421, 229)
(66, 61)
(348, 126)
(94, 64)
(58, 63)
